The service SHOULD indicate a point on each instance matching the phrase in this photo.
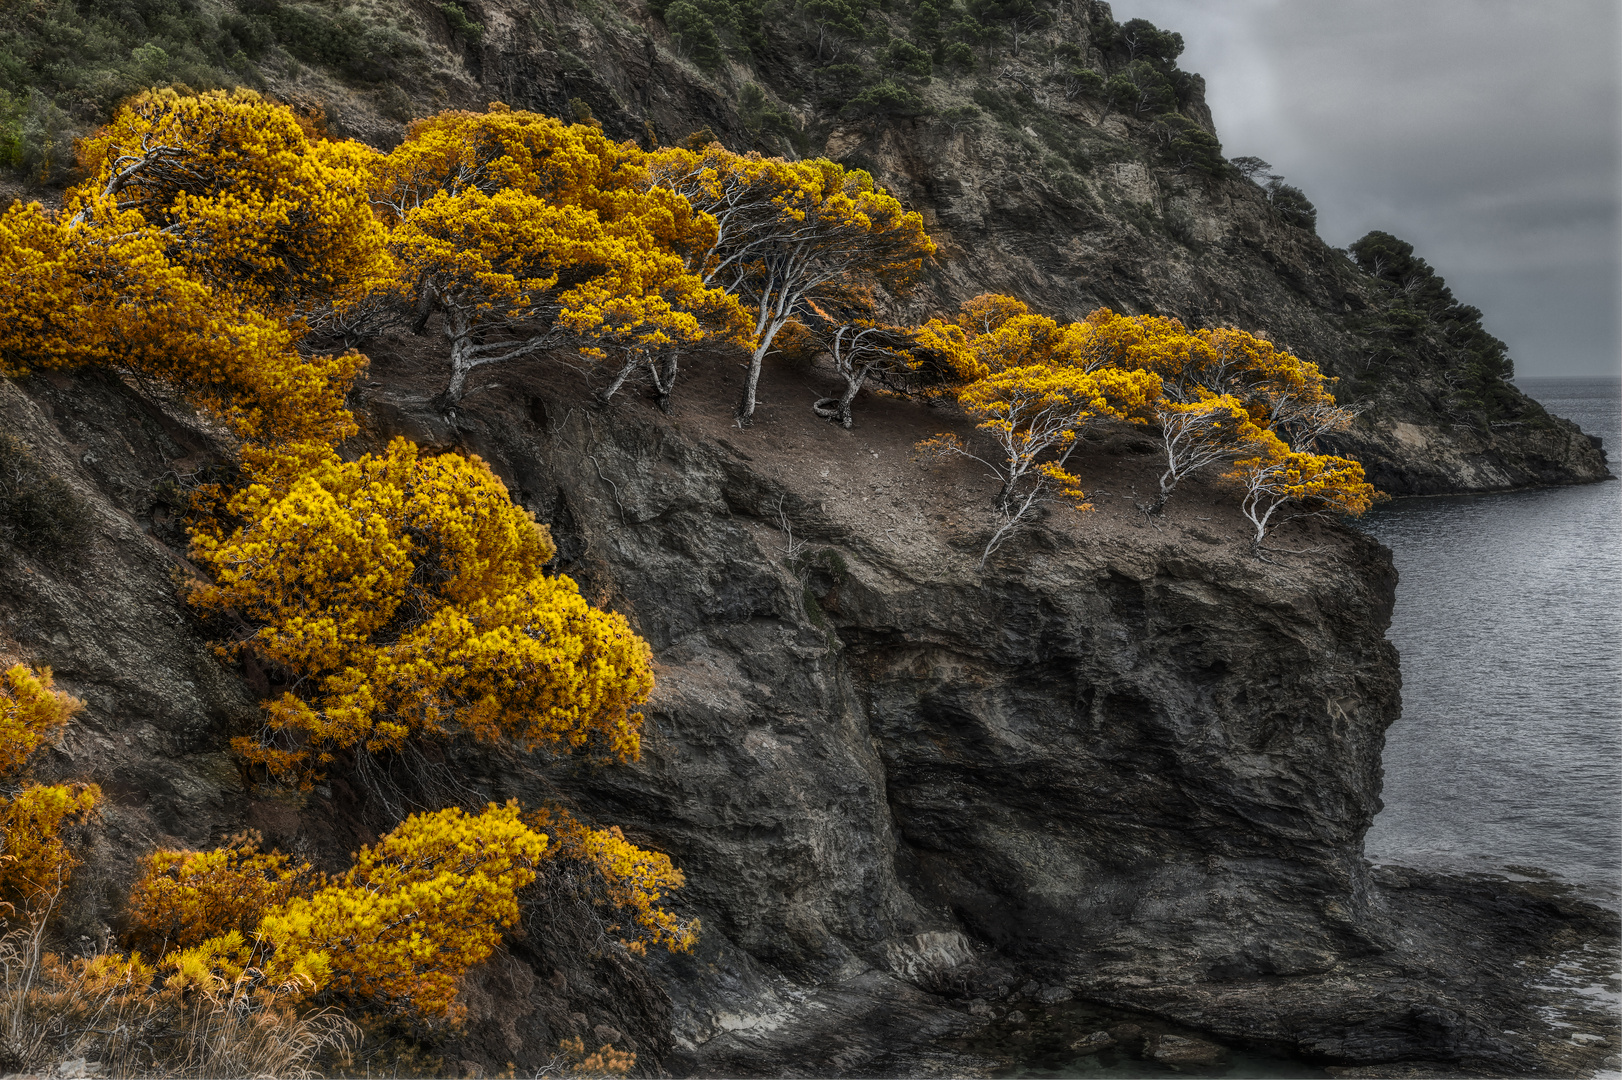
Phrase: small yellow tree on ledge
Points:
(1278, 482)
(1033, 387)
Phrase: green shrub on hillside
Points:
(909, 59)
(886, 98)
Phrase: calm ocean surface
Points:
(1509, 620)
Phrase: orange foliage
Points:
(183, 898)
(604, 1061)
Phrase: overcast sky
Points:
(1484, 132)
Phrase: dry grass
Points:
(128, 1025)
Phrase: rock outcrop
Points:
(1130, 761)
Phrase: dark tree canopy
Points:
(1420, 302)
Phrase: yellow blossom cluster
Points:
(1275, 476)
(35, 863)
(405, 596)
(183, 898)
(244, 198)
(209, 224)
(634, 879)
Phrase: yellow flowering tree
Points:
(1283, 393)
(517, 229)
(862, 348)
(1195, 434)
(1034, 416)
(1219, 388)
(786, 233)
(1279, 483)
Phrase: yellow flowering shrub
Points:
(397, 931)
(35, 863)
(30, 709)
(634, 879)
(209, 228)
(244, 199)
(404, 597)
(418, 908)
(37, 860)
(183, 898)
(106, 293)
(401, 927)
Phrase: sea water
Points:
(1508, 755)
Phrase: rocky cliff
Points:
(1130, 762)
(920, 808)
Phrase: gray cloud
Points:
(1485, 132)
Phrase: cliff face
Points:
(1122, 750)
(1130, 761)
